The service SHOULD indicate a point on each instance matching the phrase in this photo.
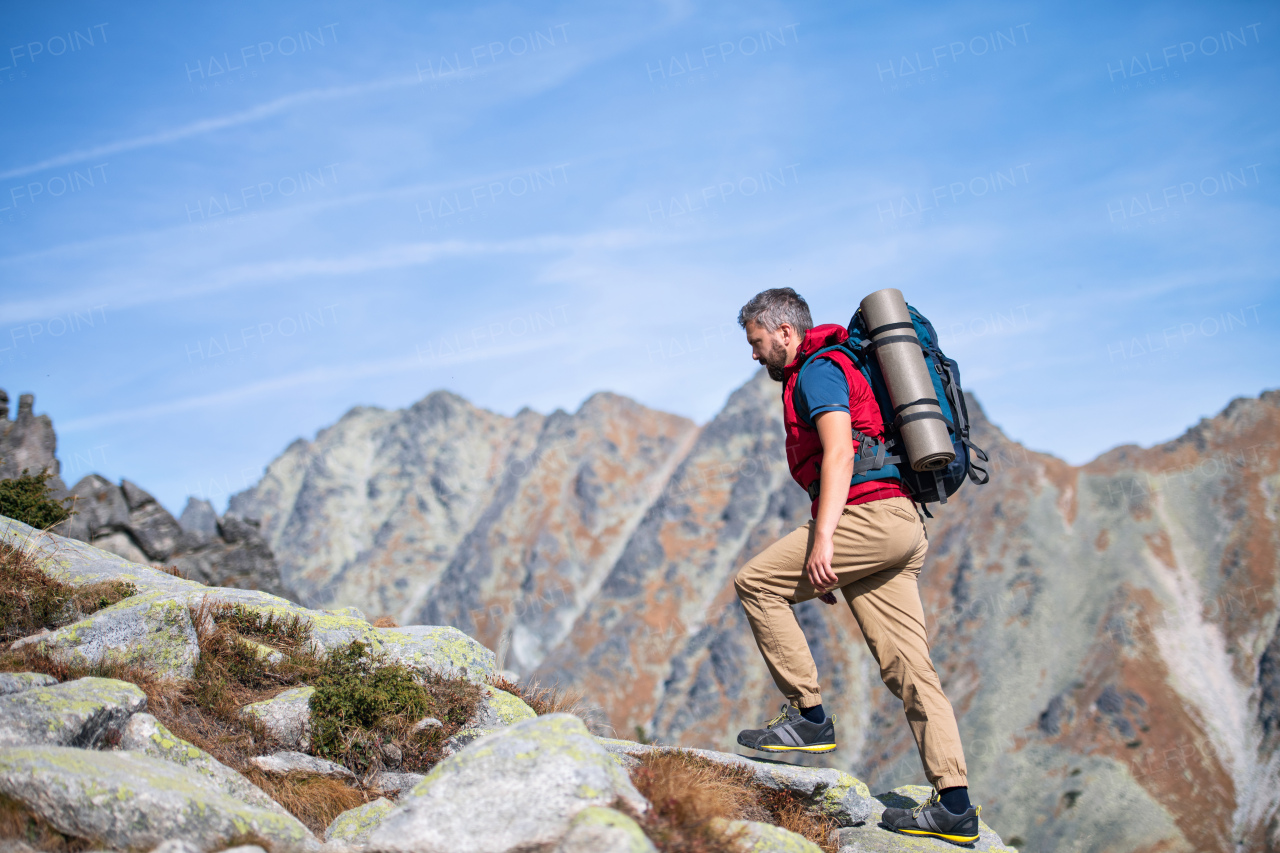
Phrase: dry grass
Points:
(688, 793)
(314, 800)
(18, 824)
(362, 704)
(553, 700)
(31, 601)
(385, 622)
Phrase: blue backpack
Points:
(876, 459)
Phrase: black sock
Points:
(814, 714)
(956, 800)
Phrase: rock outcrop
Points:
(28, 442)
(154, 627)
(126, 520)
(1102, 630)
(529, 781)
(83, 759)
(131, 801)
(80, 713)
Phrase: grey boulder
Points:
(528, 781)
(129, 801)
(393, 783)
(16, 682)
(354, 825)
(286, 717)
(152, 631)
(833, 792)
(75, 713)
(147, 735)
(751, 836)
(284, 763)
(597, 829)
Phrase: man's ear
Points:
(788, 333)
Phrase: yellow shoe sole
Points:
(825, 747)
(957, 839)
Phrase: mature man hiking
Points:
(865, 539)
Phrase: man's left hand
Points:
(818, 566)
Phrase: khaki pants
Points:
(879, 549)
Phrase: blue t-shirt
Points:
(821, 388)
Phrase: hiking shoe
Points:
(790, 732)
(933, 819)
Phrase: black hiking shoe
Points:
(932, 819)
(790, 732)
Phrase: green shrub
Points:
(27, 499)
(362, 702)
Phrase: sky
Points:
(223, 226)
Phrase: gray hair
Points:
(771, 308)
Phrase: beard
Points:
(775, 361)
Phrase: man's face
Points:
(775, 349)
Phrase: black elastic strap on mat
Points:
(887, 326)
(893, 339)
(902, 421)
(921, 402)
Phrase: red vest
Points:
(804, 448)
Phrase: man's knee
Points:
(743, 582)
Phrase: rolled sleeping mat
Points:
(926, 439)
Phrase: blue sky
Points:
(224, 227)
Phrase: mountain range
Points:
(1107, 633)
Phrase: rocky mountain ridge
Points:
(1108, 633)
(83, 763)
(1105, 631)
(128, 521)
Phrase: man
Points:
(865, 539)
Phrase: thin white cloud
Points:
(436, 356)
(130, 294)
(207, 125)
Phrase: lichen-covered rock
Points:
(597, 829)
(129, 801)
(528, 781)
(154, 627)
(873, 838)
(833, 792)
(441, 649)
(283, 763)
(16, 682)
(75, 713)
(147, 735)
(353, 826)
(287, 716)
(751, 836)
(152, 631)
(394, 783)
(461, 740)
(499, 708)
